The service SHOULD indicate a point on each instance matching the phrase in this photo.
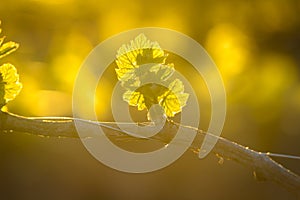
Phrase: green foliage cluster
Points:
(9, 79)
(148, 79)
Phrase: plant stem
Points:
(264, 168)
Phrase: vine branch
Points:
(263, 167)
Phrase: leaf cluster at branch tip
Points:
(10, 86)
(147, 78)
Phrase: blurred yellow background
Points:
(255, 44)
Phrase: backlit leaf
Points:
(135, 99)
(7, 48)
(174, 99)
(140, 51)
(9, 83)
(163, 71)
(143, 73)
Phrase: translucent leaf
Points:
(176, 86)
(9, 83)
(174, 99)
(124, 74)
(141, 66)
(163, 71)
(140, 51)
(131, 84)
(135, 99)
(8, 48)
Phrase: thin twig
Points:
(264, 168)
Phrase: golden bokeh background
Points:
(255, 44)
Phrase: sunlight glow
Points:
(229, 48)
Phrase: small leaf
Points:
(124, 74)
(163, 71)
(141, 67)
(174, 99)
(135, 99)
(8, 48)
(9, 83)
(176, 86)
(140, 51)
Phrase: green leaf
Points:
(174, 99)
(163, 71)
(140, 51)
(135, 99)
(10, 86)
(141, 69)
